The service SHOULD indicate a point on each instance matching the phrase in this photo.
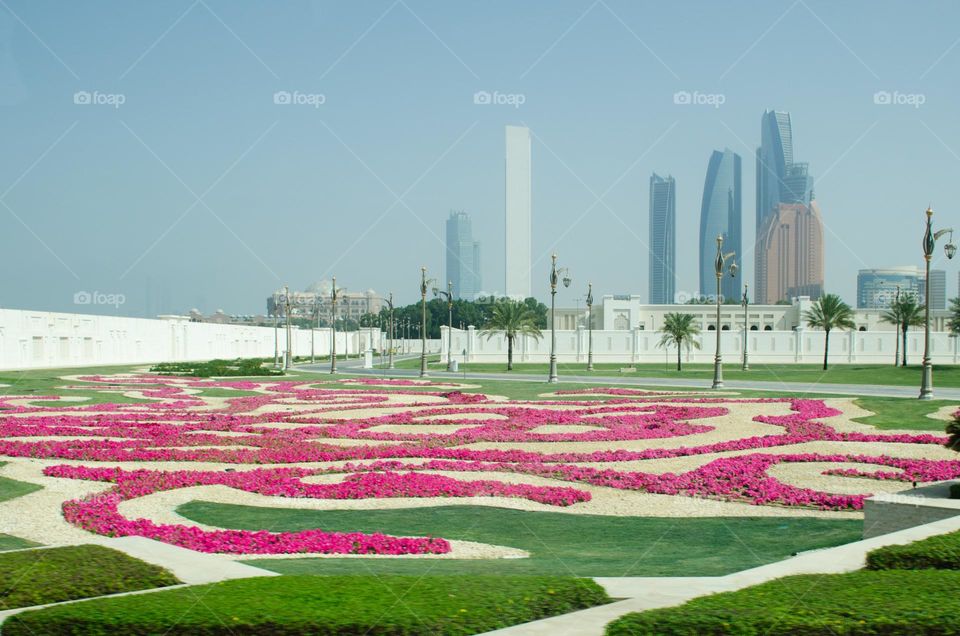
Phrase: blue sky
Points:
(199, 191)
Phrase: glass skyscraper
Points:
(720, 215)
(463, 256)
(663, 239)
(774, 160)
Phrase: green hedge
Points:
(860, 603)
(217, 368)
(50, 575)
(941, 552)
(278, 606)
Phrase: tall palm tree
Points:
(829, 313)
(678, 329)
(511, 318)
(904, 312)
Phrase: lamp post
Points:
(555, 274)
(333, 322)
(288, 357)
(390, 331)
(929, 243)
(896, 303)
(745, 301)
(424, 283)
(718, 267)
(589, 326)
(449, 296)
(276, 336)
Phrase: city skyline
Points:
(720, 215)
(289, 143)
(463, 265)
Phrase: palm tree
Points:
(512, 318)
(678, 329)
(828, 313)
(904, 312)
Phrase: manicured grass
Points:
(903, 413)
(559, 543)
(11, 488)
(50, 382)
(941, 552)
(321, 605)
(863, 602)
(242, 367)
(945, 375)
(34, 577)
(8, 542)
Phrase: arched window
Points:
(725, 328)
(711, 328)
(768, 328)
(862, 329)
(753, 328)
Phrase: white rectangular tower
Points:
(518, 208)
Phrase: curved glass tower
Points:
(720, 214)
(663, 239)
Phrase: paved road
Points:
(875, 390)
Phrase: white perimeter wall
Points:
(40, 339)
(640, 346)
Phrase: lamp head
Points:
(950, 249)
(566, 281)
(733, 269)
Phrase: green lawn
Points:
(904, 413)
(8, 542)
(864, 602)
(559, 543)
(49, 575)
(11, 488)
(302, 605)
(944, 375)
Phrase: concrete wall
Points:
(40, 339)
(640, 346)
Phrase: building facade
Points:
(877, 288)
(462, 256)
(663, 239)
(720, 215)
(317, 299)
(790, 254)
(518, 210)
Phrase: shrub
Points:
(854, 604)
(217, 368)
(35, 577)
(941, 552)
(321, 605)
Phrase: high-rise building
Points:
(877, 288)
(774, 159)
(462, 256)
(938, 289)
(720, 215)
(518, 212)
(790, 254)
(663, 239)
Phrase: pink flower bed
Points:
(176, 428)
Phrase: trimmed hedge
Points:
(50, 575)
(941, 552)
(284, 605)
(216, 368)
(862, 603)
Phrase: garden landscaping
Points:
(306, 475)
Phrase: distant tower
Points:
(462, 256)
(663, 239)
(790, 254)
(518, 212)
(720, 215)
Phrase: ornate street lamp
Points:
(929, 243)
(449, 296)
(333, 321)
(896, 353)
(745, 301)
(589, 326)
(276, 333)
(390, 330)
(288, 357)
(719, 268)
(424, 284)
(555, 277)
